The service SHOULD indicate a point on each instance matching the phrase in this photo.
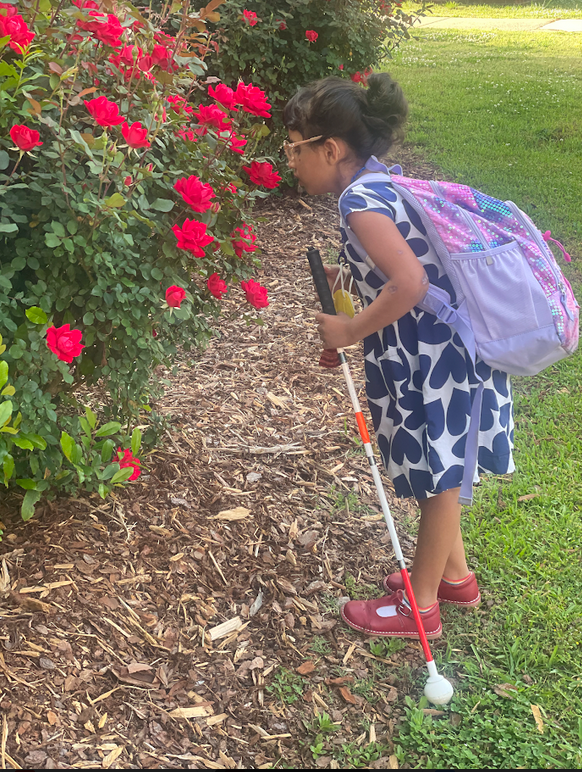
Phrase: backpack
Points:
(514, 308)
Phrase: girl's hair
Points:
(369, 120)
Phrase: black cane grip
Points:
(320, 281)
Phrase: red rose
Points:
(186, 133)
(126, 57)
(263, 174)
(243, 239)
(104, 112)
(252, 100)
(109, 32)
(179, 104)
(134, 135)
(8, 10)
(195, 193)
(192, 236)
(64, 342)
(24, 138)
(216, 286)
(237, 144)
(211, 115)
(251, 17)
(128, 180)
(282, 25)
(161, 56)
(311, 35)
(224, 95)
(255, 294)
(14, 27)
(174, 296)
(126, 459)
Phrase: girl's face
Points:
(310, 164)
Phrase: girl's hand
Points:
(335, 331)
(331, 272)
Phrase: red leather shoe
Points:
(390, 616)
(464, 594)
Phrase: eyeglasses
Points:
(289, 147)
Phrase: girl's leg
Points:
(439, 546)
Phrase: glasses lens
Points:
(288, 150)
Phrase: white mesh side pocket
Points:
(503, 296)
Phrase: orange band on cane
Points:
(362, 427)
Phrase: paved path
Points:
(453, 22)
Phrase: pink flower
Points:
(104, 112)
(224, 95)
(24, 138)
(311, 35)
(255, 294)
(216, 286)
(192, 236)
(195, 193)
(243, 239)
(14, 27)
(64, 342)
(252, 100)
(263, 174)
(126, 459)
(174, 296)
(134, 135)
(251, 17)
(211, 115)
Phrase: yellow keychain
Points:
(342, 299)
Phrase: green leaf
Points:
(27, 484)
(103, 490)
(36, 439)
(8, 466)
(4, 157)
(58, 228)
(107, 450)
(16, 352)
(3, 373)
(162, 205)
(85, 426)
(91, 417)
(68, 445)
(72, 227)
(109, 471)
(24, 444)
(30, 499)
(8, 391)
(123, 475)
(107, 429)
(51, 240)
(135, 441)
(8, 227)
(115, 201)
(6, 409)
(88, 318)
(36, 315)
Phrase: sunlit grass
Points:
(552, 9)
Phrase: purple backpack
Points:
(515, 308)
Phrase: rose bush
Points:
(280, 45)
(125, 213)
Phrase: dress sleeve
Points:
(370, 197)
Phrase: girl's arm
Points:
(406, 286)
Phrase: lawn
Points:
(502, 112)
(551, 9)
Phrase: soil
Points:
(191, 620)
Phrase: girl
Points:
(420, 381)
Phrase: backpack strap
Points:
(438, 302)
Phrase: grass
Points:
(550, 9)
(501, 111)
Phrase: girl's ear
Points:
(335, 150)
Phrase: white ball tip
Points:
(438, 690)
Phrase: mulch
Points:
(191, 620)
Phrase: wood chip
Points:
(225, 628)
(218, 719)
(195, 711)
(306, 668)
(239, 513)
(538, 717)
